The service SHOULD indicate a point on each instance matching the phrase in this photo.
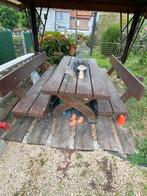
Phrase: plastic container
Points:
(35, 76)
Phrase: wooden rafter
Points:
(123, 6)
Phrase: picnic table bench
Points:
(30, 126)
(75, 93)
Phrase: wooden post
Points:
(76, 27)
(34, 25)
(131, 35)
(93, 31)
(120, 33)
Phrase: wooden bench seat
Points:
(9, 81)
(113, 106)
(14, 72)
(116, 104)
(34, 103)
(135, 87)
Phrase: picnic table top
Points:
(92, 86)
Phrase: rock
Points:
(2, 146)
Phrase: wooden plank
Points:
(117, 104)
(40, 132)
(19, 129)
(108, 6)
(8, 66)
(83, 137)
(62, 134)
(104, 108)
(53, 84)
(84, 87)
(126, 140)
(23, 106)
(68, 85)
(134, 85)
(10, 81)
(40, 106)
(99, 85)
(105, 136)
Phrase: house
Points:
(81, 21)
(61, 20)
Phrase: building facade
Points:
(68, 21)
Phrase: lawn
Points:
(137, 120)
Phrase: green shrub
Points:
(109, 40)
(8, 17)
(57, 45)
(81, 37)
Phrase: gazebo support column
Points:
(132, 34)
(93, 31)
(33, 18)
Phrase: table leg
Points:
(73, 102)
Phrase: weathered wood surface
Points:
(105, 136)
(100, 87)
(126, 139)
(53, 84)
(7, 67)
(117, 104)
(57, 133)
(40, 133)
(12, 79)
(135, 86)
(84, 86)
(62, 132)
(68, 86)
(18, 132)
(104, 108)
(83, 137)
(40, 107)
(24, 105)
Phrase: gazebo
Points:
(136, 7)
(35, 101)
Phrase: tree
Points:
(23, 20)
(8, 17)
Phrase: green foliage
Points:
(106, 19)
(102, 61)
(8, 17)
(110, 39)
(141, 156)
(23, 20)
(141, 40)
(57, 45)
(81, 38)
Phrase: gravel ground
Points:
(39, 170)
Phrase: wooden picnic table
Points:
(74, 92)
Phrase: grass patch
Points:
(102, 61)
(141, 156)
(137, 113)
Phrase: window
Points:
(61, 16)
(78, 22)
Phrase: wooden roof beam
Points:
(93, 5)
(13, 3)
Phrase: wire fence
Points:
(109, 48)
